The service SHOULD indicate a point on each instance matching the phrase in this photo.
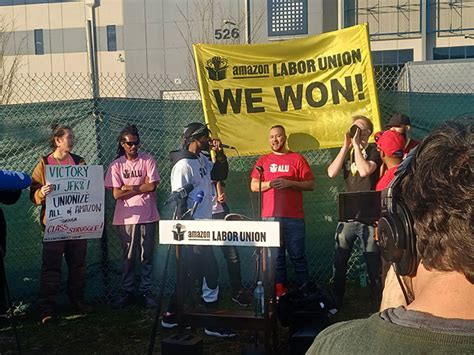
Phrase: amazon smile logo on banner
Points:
(216, 68)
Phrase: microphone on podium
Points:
(14, 180)
(197, 200)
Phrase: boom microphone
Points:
(14, 180)
(180, 193)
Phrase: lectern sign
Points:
(220, 232)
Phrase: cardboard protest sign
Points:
(75, 207)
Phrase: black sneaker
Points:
(220, 332)
(241, 298)
(123, 300)
(149, 300)
(169, 320)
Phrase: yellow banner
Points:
(312, 86)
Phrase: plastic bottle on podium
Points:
(259, 299)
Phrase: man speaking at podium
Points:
(191, 167)
(285, 174)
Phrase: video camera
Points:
(396, 234)
(364, 207)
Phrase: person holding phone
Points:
(360, 163)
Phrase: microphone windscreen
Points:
(199, 196)
(14, 180)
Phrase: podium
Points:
(257, 234)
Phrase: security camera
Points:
(228, 22)
(469, 36)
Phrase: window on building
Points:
(39, 43)
(287, 17)
(392, 57)
(387, 19)
(459, 52)
(453, 18)
(111, 38)
(387, 65)
(470, 52)
(440, 53)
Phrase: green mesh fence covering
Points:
(24, 131)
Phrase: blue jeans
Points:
(292, 234)
(346, 234)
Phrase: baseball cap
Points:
(195, 130)
(391, 143)
(399, 119)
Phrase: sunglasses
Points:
(132, 143)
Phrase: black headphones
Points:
(396, 233)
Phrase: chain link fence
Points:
(161, 107)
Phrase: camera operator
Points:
(435, 194)
(360, 163)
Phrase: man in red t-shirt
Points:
(285, 175)
(390, 145)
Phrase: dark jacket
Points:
(7, 197)
(38, 179)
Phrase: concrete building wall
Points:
(154, 37)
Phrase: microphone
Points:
(180, 193)
(14, 180)
(197, 200)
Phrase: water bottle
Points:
(259, 299)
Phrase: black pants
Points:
(3, 284)
(74, 252)
(198, 262)
(232, 258)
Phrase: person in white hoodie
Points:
(191, 166)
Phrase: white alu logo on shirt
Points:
(279, 168)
